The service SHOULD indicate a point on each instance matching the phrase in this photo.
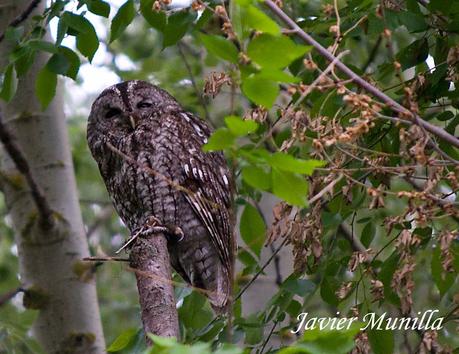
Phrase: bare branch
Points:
(354, 242)
(18, 157)
(9, 295)
(261, 270)
(22, 16)
(105, 259)
(193, 80)
(394, 105)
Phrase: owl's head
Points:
(120, 109)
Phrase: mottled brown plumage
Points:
(165, 174)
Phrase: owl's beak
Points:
(132, 121)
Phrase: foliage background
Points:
(391, 192)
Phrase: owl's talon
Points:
(179, 232)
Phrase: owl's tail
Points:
(199, 264)
(220, 295)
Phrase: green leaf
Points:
(274, 52)
(253, 229)
(9, 84)
(58, 64)
(328, 289)
(239, 126)
(23, 62)
(73, 60)
(278, 75)
(193, 313)
(177, 26)
(99, 7)
(62, 28)
(43, 46)
(443, 280)
(256, 177)
(227, 348)
(444, 116)
(14, 34)
(122, 19)
(221, 139)
(382, 342)
(65, 62)
(300, 287)
(254, 18)
(220, 47)
(78, 22)
(368, 233)
(318, 341)
(288, 163)
(260, 90)
(289, 187)
(45, 86)
(156, 19)
(88, 43)
(163, 342)
(203, 19)
(413, 54)
(388, 268)
(413, 22)
(86, 37)
(123, 340)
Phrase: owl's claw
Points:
(156, 227)
(153, 226)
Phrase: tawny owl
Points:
(148, 149)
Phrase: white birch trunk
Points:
(63, 288)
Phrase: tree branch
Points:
(22, 16)
(193, 81)
(150, 256)
(16, 154)
(394, 105)
(9, 295)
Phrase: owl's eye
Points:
(112, 112)
(143, 104)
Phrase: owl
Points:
(149, 153)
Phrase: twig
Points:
(277, 270)
(9, 295)
(261, 270)
(268, 337)
(17, 155)
(319, 78)
(193, 81)
(22, 16)
(326, 189)
(105, 259)
(394, 105)
(355, 243)
(100, 219)
(373, 53)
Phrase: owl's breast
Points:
(146, 180)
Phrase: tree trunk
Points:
(58, 283)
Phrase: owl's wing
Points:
(209, 190)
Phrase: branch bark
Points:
(56, 281)
(150, 259)
(394, 105)
(21, 17)
(16, 154)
